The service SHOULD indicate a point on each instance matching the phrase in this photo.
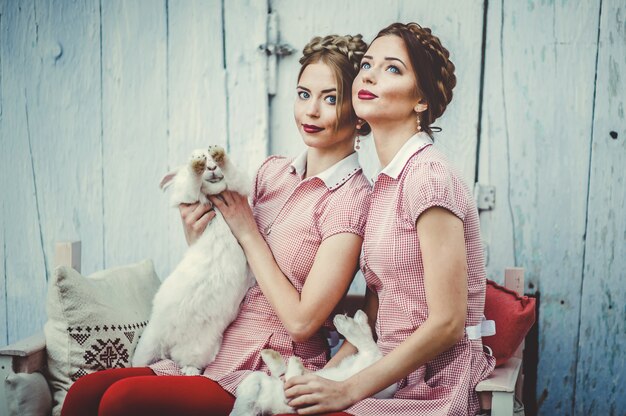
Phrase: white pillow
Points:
(94, 322)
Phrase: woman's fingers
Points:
(195, 218)
(204, 220)
(192, 212)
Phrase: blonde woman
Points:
(302, 237)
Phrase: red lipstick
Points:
(366, 95)
(309, 128)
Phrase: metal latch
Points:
(485, 197)
(278, 50)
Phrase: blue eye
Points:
(331, 99)
(393, 69)
(303, 95)
(365, 65)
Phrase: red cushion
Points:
(514, 316)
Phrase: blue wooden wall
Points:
(98, 99)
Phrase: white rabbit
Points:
(261, 394)
(202, 296)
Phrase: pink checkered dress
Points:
(294, 216)
(419, 177)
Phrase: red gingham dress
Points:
(419, 177)
(294, 216)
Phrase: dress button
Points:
(268, 229)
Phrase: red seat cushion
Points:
(514, 316)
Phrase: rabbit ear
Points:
(167, 180)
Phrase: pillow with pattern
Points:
(94, 322)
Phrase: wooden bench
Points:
(496, 392)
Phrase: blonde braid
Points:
(352, 47)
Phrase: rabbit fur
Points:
(202, 296)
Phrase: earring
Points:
(357, 143)
(419, 123)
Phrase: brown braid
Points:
(432, 65)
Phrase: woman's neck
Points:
(318, 160)
(389, 138)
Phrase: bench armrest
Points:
(27, 355)
(502, 378)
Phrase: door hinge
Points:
(274, 50)
(485, 197)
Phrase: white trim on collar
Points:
(334, 176)
(416, 143)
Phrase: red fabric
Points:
(138, 391)
(514, 316)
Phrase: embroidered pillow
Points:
(514, 316)
(94, 322)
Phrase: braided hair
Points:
(343, 55)
(433, 68)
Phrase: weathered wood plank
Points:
(19, 236)
(196, 95)
(245, 24)
(539, 75)
(50, 80)
(600, 381)
(3, 263)
(134, 112)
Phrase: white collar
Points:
(416, 143)
(334, 176)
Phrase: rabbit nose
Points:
(211, 168)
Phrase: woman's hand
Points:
(311, 394)
(195, 219)
(238, 215)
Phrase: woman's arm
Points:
(445, 278)
(328, 280)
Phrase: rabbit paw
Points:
(218, 154)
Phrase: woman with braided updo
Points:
(422, 255)
(302, 237)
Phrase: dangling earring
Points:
(357, 143)
(419, 123)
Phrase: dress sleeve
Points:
(260, 180)
(347, 212)
(434, 184)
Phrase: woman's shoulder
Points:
(429, 164)
(273, 164)
(429, 179)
